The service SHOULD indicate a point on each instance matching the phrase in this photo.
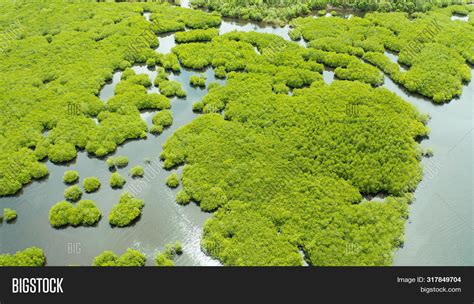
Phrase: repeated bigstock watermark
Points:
(13, 32)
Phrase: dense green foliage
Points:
(163, 119)
(129, 258)
(77, 47)
(177, 248)
(213, 85)
(286, 173)
(171, 88)
(70, 176)
(110, 162)
(9, 214)
(283, 10)
(183, 197)
(61, 152)
(116, 180)
(166, 257)
(18, 168)
(198, 80)
(137, 171)
(126, 211)
(131, 91)
(265, 10)
(196, 35)
(163, 260)
(156, 129)
(29, 257)
(73, 193)
(169, 19)
(168, 87)
(85, 213)
(91, 184)
(121, 161)
(435, 49)
(172, 180)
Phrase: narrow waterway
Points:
(162, 221)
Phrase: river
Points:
(438, 232)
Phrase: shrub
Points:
(152, 101)
(163, 260)
(178, 248)
(124, 64)
(9, 214)
(90, 214)
(110, 162)
(59, 214)
(183, 197)
(131, 82)
(220, 72)
(126, 211)
(166, 257)
(121, 161)
(64, 213)
(129, 258)
(163, 118)
(70, 176)
(172, 180)
(73, 193)
(161, 75)
(132, 258)
(91, 184)
(137, 171)
(128, 72)
(196, 35)
(171, 88)
(116, 180)
(213, 85)
(106, 258)
(32, 256)
(276, 12)
(170, 62)
(214, 199)
(151, 62)
(198, 81)
(62, 152)
(198, 106)
(156, 129)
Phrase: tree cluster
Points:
(286, 174)
(165, 258)
(126, 211)
(32, 256)
(9, 215)
(85, 213)
(91, 184)
(132, 258)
